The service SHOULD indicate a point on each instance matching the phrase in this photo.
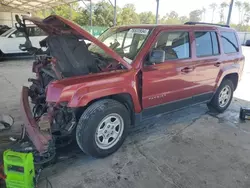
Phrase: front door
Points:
(171, 82)
(13, 41)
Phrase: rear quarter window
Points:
(229, 42)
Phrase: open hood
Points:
(56, 25)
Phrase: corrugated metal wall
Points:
(8, 18)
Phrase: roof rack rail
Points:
(204, 23)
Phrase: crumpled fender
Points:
(83, 96)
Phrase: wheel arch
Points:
(234, 77)
(123, 98)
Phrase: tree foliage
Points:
(128, 15)
(103, 14)
(213, 6)
(173, 18)
(195, 15)
(222, 7)
(147, 18)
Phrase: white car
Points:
(11, 39)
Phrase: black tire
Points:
(1, 56)
(214, 105)
(88, 124)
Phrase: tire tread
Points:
(82, 129)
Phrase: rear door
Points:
(208, 61)
(170, 81)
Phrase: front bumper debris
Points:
(39, 139)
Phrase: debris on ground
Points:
(6, 121)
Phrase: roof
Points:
(31, 5)
(179, 26)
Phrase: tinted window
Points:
(203, 44)
(175, 44)
(215, 43)
(229, 42)
(206, 43)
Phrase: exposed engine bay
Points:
(68, 57)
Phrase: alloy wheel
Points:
(109, 131)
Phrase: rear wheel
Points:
(223, 97)
(102, 128)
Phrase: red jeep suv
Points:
(95, 93)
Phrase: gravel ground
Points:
(190, 148)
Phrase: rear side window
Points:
(215, 43)
(229, 42)
(206, 43)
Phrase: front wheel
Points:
(223, 97)
(102, 128)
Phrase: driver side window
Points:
(176, 45)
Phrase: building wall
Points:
(8, 18)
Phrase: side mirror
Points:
(157, 56)
(13, 36)
(247, 43)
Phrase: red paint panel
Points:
(79, 91)
(166, 82)
(39, 139)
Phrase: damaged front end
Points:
(48, 125)
(39, 138)
(51, 123)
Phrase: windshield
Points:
(6, 33)
(127, 43)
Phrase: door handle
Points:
(187, 69)
(217, 64)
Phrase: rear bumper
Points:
(37, 137)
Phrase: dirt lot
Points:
(186, 149)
